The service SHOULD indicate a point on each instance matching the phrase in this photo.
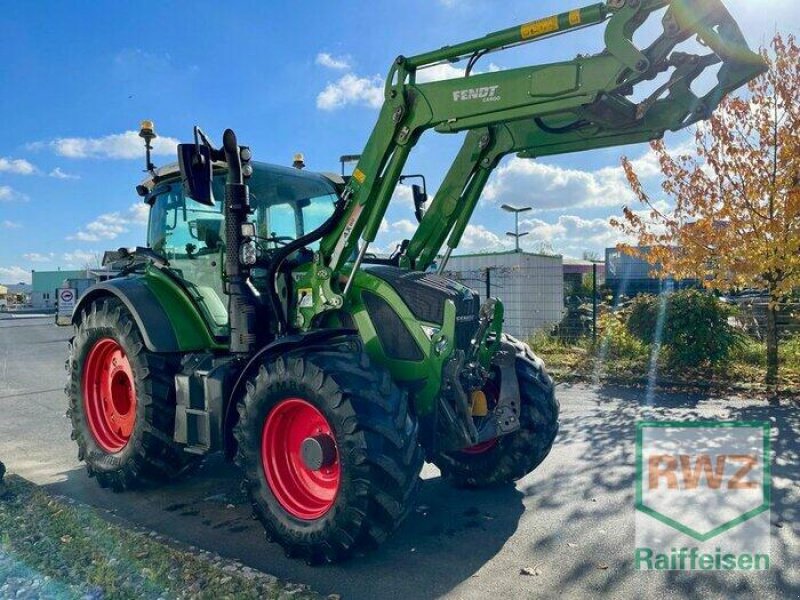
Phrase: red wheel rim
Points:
(109, 395)
(303, 492)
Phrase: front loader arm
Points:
(483, 149)
(671, 107)
(549, 109)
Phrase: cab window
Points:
(191, 236)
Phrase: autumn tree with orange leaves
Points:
(734, 217)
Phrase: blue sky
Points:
(77, 78)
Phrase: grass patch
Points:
(618, 355)
(52, 548)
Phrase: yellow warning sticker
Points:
(359, 176)
(575, 17)
(537, 28)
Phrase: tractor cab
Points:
(286, 204)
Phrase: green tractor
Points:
(255, 322)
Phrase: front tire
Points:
(511, 457)
(329, 451)
(122, 401)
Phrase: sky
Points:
(78, 77)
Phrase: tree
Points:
(734, 216)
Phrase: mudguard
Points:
(154, 308)
(275, 348)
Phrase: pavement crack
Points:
(30, 393)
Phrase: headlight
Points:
(248, 253)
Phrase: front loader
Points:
(256, 323)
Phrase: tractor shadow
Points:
(449, 535)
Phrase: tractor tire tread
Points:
(151, 455)
(378, 443)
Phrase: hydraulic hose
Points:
(283, 253)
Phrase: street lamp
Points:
(513, 209)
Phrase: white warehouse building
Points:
(531, 286)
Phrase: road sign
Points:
(66, 304)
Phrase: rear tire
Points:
(368, 478)
(512, 456)
(122, 401)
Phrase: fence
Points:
(536, 296)
(540, 297)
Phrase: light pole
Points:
(513, 209)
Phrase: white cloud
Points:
(125, 145)
(440, 72)
(571, 234)
(37, 257)
(404, 226)
(543, 186)
(82, 257)
(59, 174)
(18, 166)
(402, 196)
(15, 275)
(352, 90)
(139, 213)
(104, 227)
(11, 225)
(339, 63)
(477, 238)
(8, 194)
(109, 226)
(445, 71)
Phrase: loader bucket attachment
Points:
(614, 118)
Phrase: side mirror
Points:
(196, 172)
(420, 200)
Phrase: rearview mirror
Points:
(196, 172)
(420, 200)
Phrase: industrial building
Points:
(630, 275)
(531, 286)
(45, 283)
(578, 272)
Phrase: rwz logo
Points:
(484, 94)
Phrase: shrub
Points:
(750, 352)
(620, 343)
(695, 332)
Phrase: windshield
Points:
(286, 204)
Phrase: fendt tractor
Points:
(256, 323)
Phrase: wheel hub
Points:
(318, 451)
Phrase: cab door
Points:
(190, 236)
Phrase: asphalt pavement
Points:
(570, 523)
